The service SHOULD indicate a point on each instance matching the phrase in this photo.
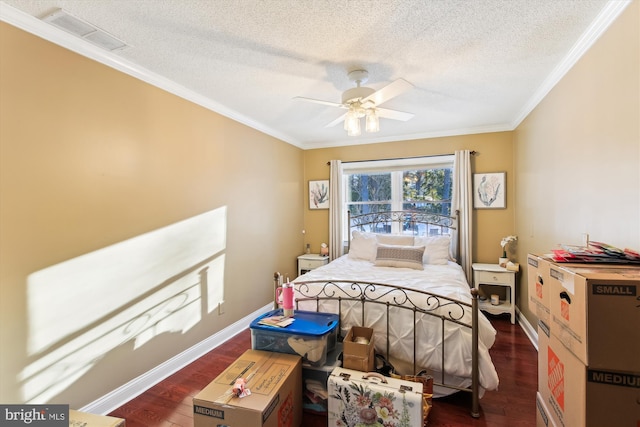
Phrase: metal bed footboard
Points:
(448, 310)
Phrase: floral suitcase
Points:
(368, 399)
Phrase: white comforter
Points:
(446, 280)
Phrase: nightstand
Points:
(308, 262)
(487, 276)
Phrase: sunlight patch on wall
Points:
(128, 293)
(214, 285)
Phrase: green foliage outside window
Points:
(425, 190)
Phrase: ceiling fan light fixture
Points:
(352, 123)
(362, 101)
(348, 119)
(372, 122)
(356, 94)
(355, 131)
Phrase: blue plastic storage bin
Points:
(311, 335)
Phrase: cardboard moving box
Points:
(594, 313)
(359, 349)
(543, 416)
(85, 419)
(576, 395)
(539, 287)
(275, 383)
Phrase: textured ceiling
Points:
(477, 66)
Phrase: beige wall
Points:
(494, 154)
(577, 155)
(98, 171)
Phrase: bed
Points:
(407, 287)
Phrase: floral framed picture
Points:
(489, 190)
(319, 194)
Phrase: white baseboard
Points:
(529, 330)
(135, 387)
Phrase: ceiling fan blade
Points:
(336, 121)
(394, 114)
(319, 101)
(391, 90)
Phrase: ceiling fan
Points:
(362, 101)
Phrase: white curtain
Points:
(462, 203)
(335, 210)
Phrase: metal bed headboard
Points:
(413, 221)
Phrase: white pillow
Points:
(436, 249)
(400, 256)
(363, 246)
(395, 239)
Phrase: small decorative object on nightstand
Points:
(492, 275)
(308, 262)
(324, 249)
(507, 248)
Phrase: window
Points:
(421, 184)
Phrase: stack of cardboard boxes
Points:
(588, 343)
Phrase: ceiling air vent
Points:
(84, 30)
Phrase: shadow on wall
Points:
(124, 295)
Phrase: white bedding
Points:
(446, 280)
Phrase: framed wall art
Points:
(319, 194)
(489, 190)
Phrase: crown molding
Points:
(506, 127)
(48, 32)
(602, 22)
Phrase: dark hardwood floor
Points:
(169, 403)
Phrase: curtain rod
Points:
(473, 153)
